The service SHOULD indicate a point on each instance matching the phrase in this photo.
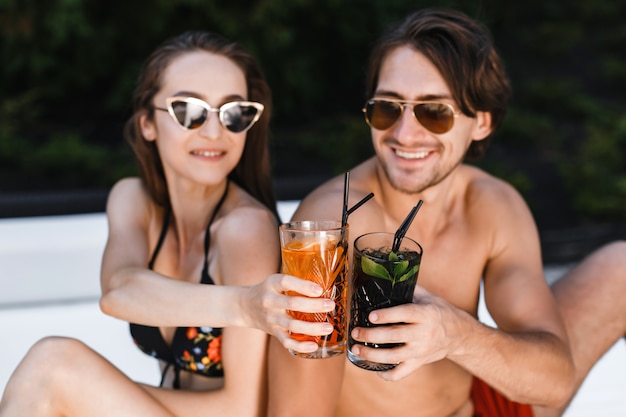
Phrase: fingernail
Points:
(316, 289)
(329, 305)
(355, 349)
(327, 328)
(355, 333)
(373, 317)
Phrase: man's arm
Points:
(527, 358)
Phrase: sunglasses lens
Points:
(238, 117)
(189, 115)
(436, 117)
(382, 114)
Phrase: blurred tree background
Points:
(69, 67)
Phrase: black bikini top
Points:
(193, 349)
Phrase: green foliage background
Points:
(69, 66)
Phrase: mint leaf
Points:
(409, 274)
(373, 269)
(400, 268)
(393, 257)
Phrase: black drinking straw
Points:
(344, 212)
(360, 203)
(404, 227)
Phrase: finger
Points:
(310, 328)
(282, 322)
(379, 355)
(286, 282)
(405, 313)
(384, 334)
(303, 347)
(289, 343)
(306, 304)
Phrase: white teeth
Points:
(412, 155)
(207, 154)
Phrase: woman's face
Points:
(207, 154)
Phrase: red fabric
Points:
(490, 403)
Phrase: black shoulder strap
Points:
(166, 222)
(206, 279)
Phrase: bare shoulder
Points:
(491, 195)
(326, 201)
(128, 200)
(248, 233)
(248, 220)
(129, 216)
(123, 187)
(495, 208)
(247, 223)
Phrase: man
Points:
(437, 91)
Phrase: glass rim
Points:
(313, 225)
(391, 238)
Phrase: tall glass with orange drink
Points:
(318, 251)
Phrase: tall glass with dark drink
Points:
(381, 278)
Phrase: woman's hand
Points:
(264, 306)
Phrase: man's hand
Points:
(423, 327)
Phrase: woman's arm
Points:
(131, 292)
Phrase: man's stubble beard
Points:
(412, 189)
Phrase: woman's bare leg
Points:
(592, 301)
(63, 377)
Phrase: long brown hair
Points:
(463, 52)
(252, 173)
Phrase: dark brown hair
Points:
(252, 173)
(463, 52)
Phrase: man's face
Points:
(412, 157)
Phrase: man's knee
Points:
(609, 261)
(606, 261)
(614, 251)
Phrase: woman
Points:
(202, 213)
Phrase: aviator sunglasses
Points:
(191, 113)
(382, 113)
